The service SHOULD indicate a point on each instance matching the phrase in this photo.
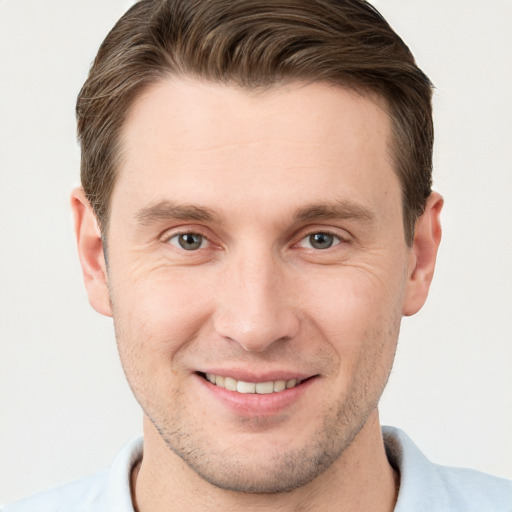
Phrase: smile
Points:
(260, 388)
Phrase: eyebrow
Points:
(168, 210)
(343, 209)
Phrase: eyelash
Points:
(190, 233)
(336, 240)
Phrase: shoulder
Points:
(79, 496)
(425, 486)
(105, 491)
(473, 490)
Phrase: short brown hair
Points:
(253, 44)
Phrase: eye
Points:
(319, 241)
(188, 241)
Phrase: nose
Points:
(254, 303)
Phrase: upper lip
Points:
(256, 376)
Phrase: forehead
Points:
(212, 111)
(199, 142)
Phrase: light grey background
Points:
(65, 409)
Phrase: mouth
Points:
(257, 388)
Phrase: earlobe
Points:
(90, 251)
(427, 236)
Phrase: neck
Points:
(361, 479)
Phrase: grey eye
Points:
(188, 241)
(321, 240)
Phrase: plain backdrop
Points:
(65, 409)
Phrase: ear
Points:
(427, 236)
(90, 251)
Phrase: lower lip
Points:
(253, 404)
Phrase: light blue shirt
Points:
(424, 487)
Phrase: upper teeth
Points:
(260, 388)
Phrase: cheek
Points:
(155, 321)
(353, 299)
(358, 314)
(159, 314)
(361, 324)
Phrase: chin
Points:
(273, 476)
(249, 467)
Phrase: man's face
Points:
(257, 239)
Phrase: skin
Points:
(256, 175)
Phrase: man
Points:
(257, 216)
